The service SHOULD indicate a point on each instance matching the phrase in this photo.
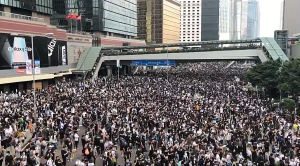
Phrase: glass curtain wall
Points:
(253, 19)
(41, 6)
(119, 16)
(210, 20)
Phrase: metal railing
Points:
(19, 16)
(246, 47)
(80, 32)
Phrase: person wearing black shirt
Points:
(180, 154)
(272, 160)
(201, 161)
(61, 136)
(58, 162)
(64, 155)
(9, 159)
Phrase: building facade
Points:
(26, 7)
(291, 21)
(190, 21)
(224, 19)
(106, 17)
(239, 19)
(210, 20)
(253, 20)
(30, 8)
(159, 21)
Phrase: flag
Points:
(78, 18)
(68, 16)
(73, 16)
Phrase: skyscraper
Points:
(224, 19)
(238, 19)
(159, 21)
(291, 12)
(190, 21)
(210, 20)
(107, 17)
(253, 20)
(281, 15)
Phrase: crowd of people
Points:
(193, 114)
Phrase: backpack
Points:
(86, 152)
(124, 143)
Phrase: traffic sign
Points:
(153, 63)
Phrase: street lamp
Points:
(33, 68)
(167, 63)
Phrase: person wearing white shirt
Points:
(50, 162)
(76, 140)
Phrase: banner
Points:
(28, 67)
(37, 67)
(118, 63)
(15, 50)
(22, 71)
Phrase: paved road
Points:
(79, 155)
(11, 149)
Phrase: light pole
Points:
(280, 70)
(33, 69)
(118, 65)
(167, 63)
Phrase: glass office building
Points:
(238, 20)
(210, 20)
(253, 19)
(112, 17)
(159, 21)
(28, 6)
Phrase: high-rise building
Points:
(281, 15)
(34, 8)
(224, 19)
(190, 21)
(108, 17)
(238, 19)
(253, 20)
(159, 21)
(291, 12)
(210, 20)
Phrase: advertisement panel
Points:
(16, 51)
(37, 66)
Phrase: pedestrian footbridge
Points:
(262, 49)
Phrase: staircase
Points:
(136, 70)
(97, 67)
(231, 63)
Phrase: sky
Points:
(270, 13)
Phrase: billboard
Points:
(15, 51)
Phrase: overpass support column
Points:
(6, 89)
(29, 85)
(57, 80)
(129, 70)
(124, 69)
(45, 84)
(109, 71)
(21, 87)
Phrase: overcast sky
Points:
(270, 13)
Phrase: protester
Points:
(192, 114)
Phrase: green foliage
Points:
(289, 77)
(288, 104)
(275, 74)
(264, 75)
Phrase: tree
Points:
(276, 76)
(288, 104)
(289, 77)
(264, 74)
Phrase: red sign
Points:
(20, 70)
